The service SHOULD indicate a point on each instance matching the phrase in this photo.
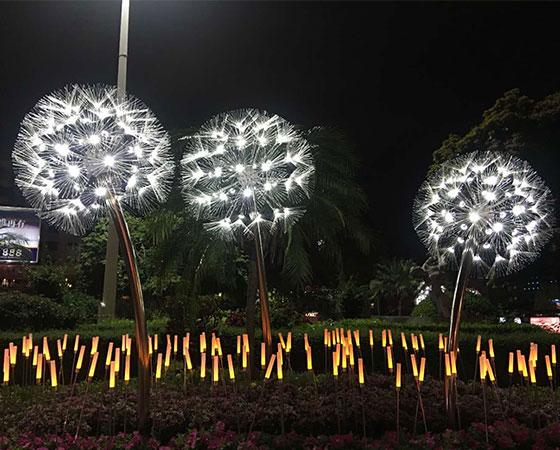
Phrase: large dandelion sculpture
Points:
(84, 152)
(487, 214)
(246, 171)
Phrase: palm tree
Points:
(393, 281)
(332, 228)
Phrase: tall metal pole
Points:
(112, 253)
(144, 378)
(263, 292)
(118, 233)
(453, 339)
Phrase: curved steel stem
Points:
(139, 315)
(263, 292)
(453, 340)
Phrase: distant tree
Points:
(393, 283)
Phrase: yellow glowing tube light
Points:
(422, 342)
(203, 365)
(337, 335)
(188, 341)
(230, 367)
(6, 368)
(92, 366)
(238, 344)
(175, 344)
(305, 341)
(357, 338)
(213, 345)
(325, 338)
(282, 342)
(112, 375)
(156, 343)
(158, 366)
(384, 338)
(59, 348)
(453, 359)
(109, 355)
(219, 346)
(279, 372)
(123, 343)
(361, 372)
(54, 381)
(519, 365)
(390, 359)
(445, 343)
(548, 367)
(64, 342)
(270, 367)
(478, 342)
(76, 343)
(422, 370)
(80, 358)
(280, 354)
(398, 377)
(39, 373)
(94, 341)
(263, 355)
(371, 338)
(524, 366)
(490, 372)
(491, 348)
(46, 350)
(335, 363)
(117, 361)
(403, 342)
(343, 360)
(532, 374)
(35, 353)
(440, 343)
(167, 357)
(309, 359)
(289, 343)
(215, 373)
(510, 363)
(13, 354)
(351, 356)
(127, 369)
(188, 360)
(150, 346)
(483, 367)
(390, 337)
(553, 354)
(414, 340)
(447, 365)
(244, 359)
(202, 340)
(414, 366)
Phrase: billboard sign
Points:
(548, 323)
(20, 230)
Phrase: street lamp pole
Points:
(108, 306)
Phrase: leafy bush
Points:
(475, 308)
(20, 311)
(48, 280)
(82, 307)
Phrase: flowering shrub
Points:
(310, 406)
(502, 434)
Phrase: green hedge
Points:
(107, 330)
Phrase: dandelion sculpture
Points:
(487, 214)
(245, 171)
(83, 152)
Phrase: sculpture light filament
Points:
(487, 214)
(84, 152)
(79, 144)
(244, 171)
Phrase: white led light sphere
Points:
(247, 167)
(81, 143)
(491, 203)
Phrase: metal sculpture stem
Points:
(129, 254)
(263, 292)
(453, 340)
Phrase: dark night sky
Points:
(396, 77)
